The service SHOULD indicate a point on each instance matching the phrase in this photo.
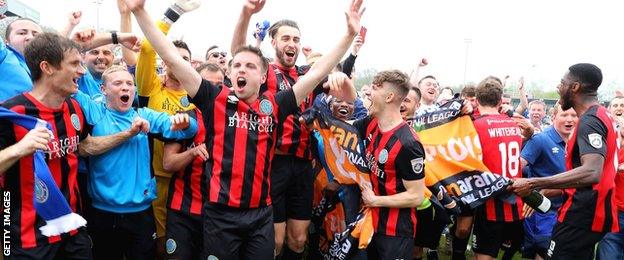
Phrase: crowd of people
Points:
(207, 158)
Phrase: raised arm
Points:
(183, 70)
(524, 101)
(327, 62)
(89, 39)
(74, 20)
(240, 31)
(415, 73)
(125, 26)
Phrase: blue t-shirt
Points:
(120, 180)
(545, 154)
(91, 86)
(14, 73)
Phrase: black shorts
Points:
(184, 235)
(119, 235)
(77, 246)
(292, 182)
(429, 227)
(231, 233)
(490, 235)
(570, 242)
(387, 247)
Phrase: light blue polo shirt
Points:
(14, 73)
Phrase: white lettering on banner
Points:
(456, 149)
(253, 122)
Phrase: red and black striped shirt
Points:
(293, 137)
(393, 156)
(501, 143)
(187, 187)
(240, 138)
(69, 128)
(592, 207)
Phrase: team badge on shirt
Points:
(266, 107)
(75, 121)
(595, 140)
(41, 191)
(555, 150)
(383, 156)
(418, 165)
(184, 101)
(171, 246)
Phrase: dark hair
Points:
(275, 27)
(589, 75)
(469, 91)
(397, 78)
(427, 77)
(417, 90)
(49, 47)
(182, 45)
(9, 27)
(209, 49)
(210, 67)
(257, 52)
(489, 91)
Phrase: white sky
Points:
(537, 39)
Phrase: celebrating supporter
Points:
(544, 155)
(428, 86)
(537, 112)
(237, 217)
(216, 55)
(589, 209)
(121, 221)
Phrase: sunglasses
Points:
(217, 54)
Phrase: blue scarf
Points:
(48, 200)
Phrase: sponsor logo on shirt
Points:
(253, 122)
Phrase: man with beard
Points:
(544, 155)
(396, 160)
(167, 95)
(589, 209)
(292, 175)
(237, 217)
(410, 103)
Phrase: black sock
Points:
(289, 254)
(459, 248)
(432, 254)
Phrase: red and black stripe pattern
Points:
(592, 206)
(501, 144)
(241, 143)
(293, 137)
(187, 188)
(389, 155)
(69, 128)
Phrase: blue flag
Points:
(48, 200)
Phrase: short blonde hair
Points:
(111, 70)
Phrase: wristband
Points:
(114, 37)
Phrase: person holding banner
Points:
(397, 186)
(589, 210)
(54, 63)
(497, 221)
